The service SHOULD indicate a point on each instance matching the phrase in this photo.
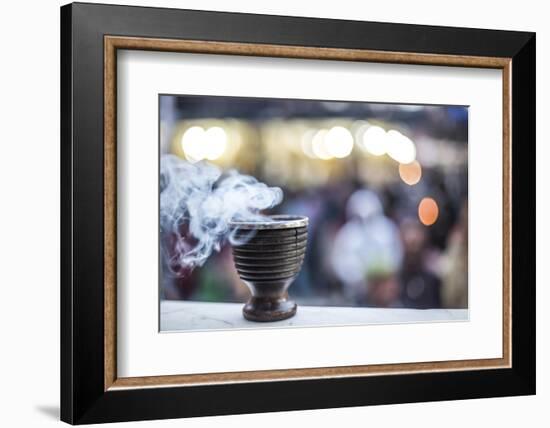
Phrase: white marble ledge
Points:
(179, 316)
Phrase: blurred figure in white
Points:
(367, 252)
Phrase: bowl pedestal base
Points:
(266, 309)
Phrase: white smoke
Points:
(198, 204)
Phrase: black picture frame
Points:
(83, 396)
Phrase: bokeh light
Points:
(374, 141)
(338, 142)
(319, 147)
(410, 173)
(399, 147)
(428, 211)
(191, 143)
(198, 143)
(306, 143)
(215, 142)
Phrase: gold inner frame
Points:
(113, 43)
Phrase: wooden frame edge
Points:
(109, 198)
(112, 43)
(301, 52)
(507, 213)
(301, 374)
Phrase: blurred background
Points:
(385, 188)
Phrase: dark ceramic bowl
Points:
(268, 258)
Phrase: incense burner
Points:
(268, 258)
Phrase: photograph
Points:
(293, 212)
(272, 212)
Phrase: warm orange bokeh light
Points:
(428, 211)
(410, 173)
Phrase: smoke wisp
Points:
(198, 204)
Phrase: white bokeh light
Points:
(216, 142)
(338, 142)
(198, 143)
(192, 143)
(306, 143)
(318, 145)
(374, 141)
(400, 147)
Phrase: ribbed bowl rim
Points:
(279, 221)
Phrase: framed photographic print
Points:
(265, 213)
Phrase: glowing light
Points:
(374, 141)
(338, 142)
(410, 173)
(192, 143)
(307, 143)
(198, 143)
(215, 143)
(400, 147)
(318, 145)
(428, 211)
